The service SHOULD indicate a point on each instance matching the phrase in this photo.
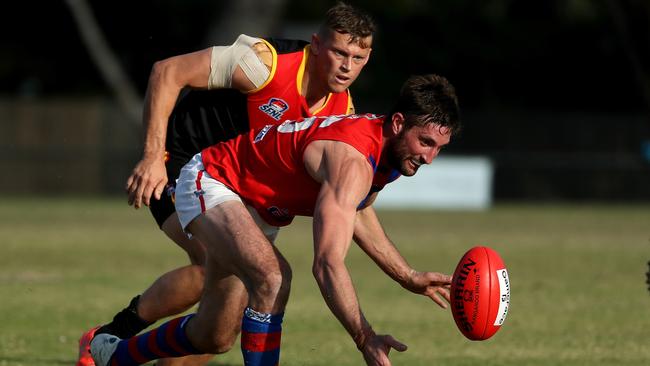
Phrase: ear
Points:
(367, 57)
(396, 123)
(315, 44)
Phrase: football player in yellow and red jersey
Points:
(235, 195)
(251, 83)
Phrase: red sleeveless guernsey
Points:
(265, 167)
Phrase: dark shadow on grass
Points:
(68, 362)
(215, 362)
(37, 360)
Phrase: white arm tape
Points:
(225, 60)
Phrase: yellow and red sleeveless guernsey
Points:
(280, 98)
(204, 117)
(265, 167)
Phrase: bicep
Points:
(344, 173)
(345, 178)
(191, 69)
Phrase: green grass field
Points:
(577, 272)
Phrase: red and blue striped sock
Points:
(260, 338)
(168, 340)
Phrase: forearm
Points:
(333, 229)
(371, 238)
(168, 77)
(345, 177)
(160, 99)
(338, 291)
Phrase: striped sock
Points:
(168, 340)
(260, 338)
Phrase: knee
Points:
(216, 343)
(275, 284)
(221, 345)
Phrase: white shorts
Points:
(197, 192)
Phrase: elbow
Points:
(158, 69)
(325, 270)
(318, 270)
(163, 72)
(321, 269)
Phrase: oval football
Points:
(480, 293)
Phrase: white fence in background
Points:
(448, 183)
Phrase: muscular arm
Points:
(371, 238)
(166, 80)
(345, 176)
(168, 77)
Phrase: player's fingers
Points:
(132, 184)
(132, 190)
(444, 279)
(154, 187)
(129, 182)
(146, 194)
(437, 300)
(137, 202)
(160, 188)
(395, 344)
(157, 193)
(445, 293)
(438, 279)
(131, 198)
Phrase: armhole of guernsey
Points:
(350, 109)
(301, 70)
(274, 63)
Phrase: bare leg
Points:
(193, 360)
(242, 267)
(177, 290)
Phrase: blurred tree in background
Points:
(556, 92)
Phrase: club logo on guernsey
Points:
(275, 108)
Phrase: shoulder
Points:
(267, 49)
(282, 46)
(323, 157)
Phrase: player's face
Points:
(415, 146)
(340, 61)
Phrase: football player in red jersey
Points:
(235, 195)
(249, 84)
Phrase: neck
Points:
(314, 93)
(382, 165)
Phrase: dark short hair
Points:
(345, 19)
(428, 99)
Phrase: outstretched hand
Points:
(148, 178)
(431, 284)
(375, 350)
